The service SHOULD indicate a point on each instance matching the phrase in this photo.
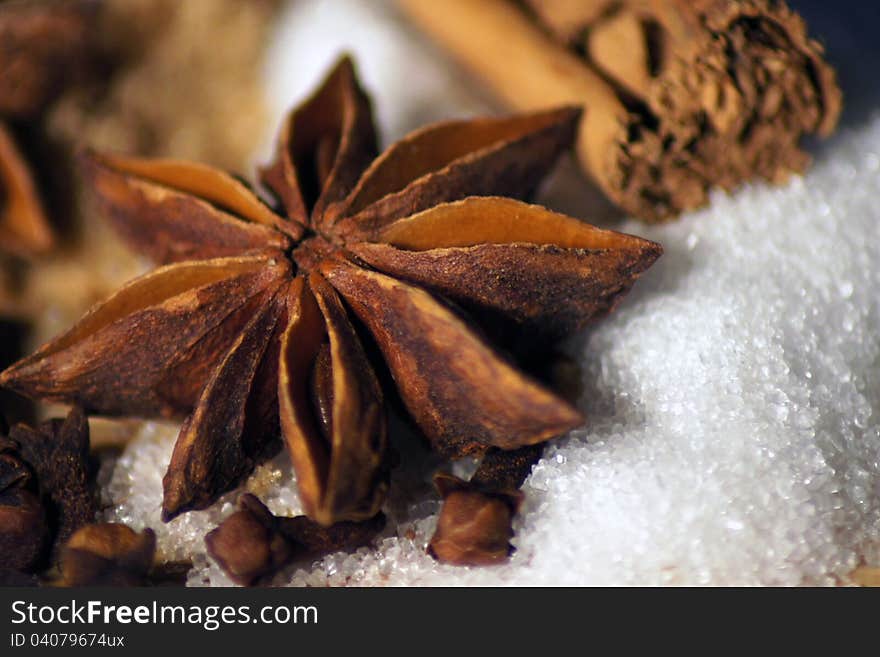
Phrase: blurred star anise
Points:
(255, 324)
(41, 43)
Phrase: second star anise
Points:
(254, 325)
(41, 45)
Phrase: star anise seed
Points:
(254, 324)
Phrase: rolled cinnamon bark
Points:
(680, 95)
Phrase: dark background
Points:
(850, 31)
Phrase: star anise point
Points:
(262, 318)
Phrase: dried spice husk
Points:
(256, 324)
(43, 47)
(107, 554)
(506, 470)
(24, 228)
(47, 490)
(253, 544)
(680, 96)
(58, 453)
(23, 527)
(474, 527)
(475, 523)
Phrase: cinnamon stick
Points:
(680, 95)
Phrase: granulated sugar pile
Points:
(734, 397)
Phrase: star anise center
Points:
(269, 319)
(314, 249)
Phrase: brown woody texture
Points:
(47, 490)
(23, 527)
(255, 324)
(680, 96)
(58, 453)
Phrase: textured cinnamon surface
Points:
(681, 97)
(721, 92)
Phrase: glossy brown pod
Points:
(260, 324)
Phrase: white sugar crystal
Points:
(734, 397)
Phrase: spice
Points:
(157, 49)
(47, 506)
(255, 323)
(680, 95)
(41, 44)
(23, 224)
(474, 525)
(46, 490)
(107, 554)
(23, 527)
(58, 453)
(253, 544)
(506, 470)
(144, 53)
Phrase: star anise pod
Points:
(255, 325)
(40, 44)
